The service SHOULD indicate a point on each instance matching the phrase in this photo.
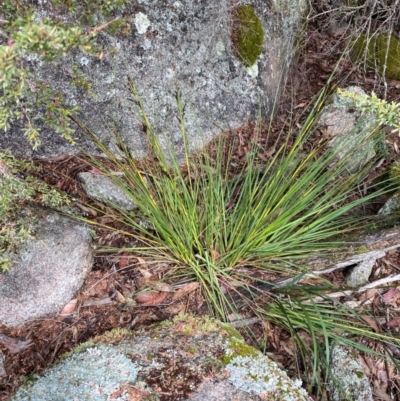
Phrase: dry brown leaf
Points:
(372, 322)
(69, 308)
(86, 209)
(97, 302)
(120, 297)
(215, 255)
(128, 301)
(163, 287)
(141, 261)
(145, 273)
(123, 260)
(186, 289)
(14, 345)
(365, 366)
(152, 298)
(390, 297)
(288, 350)
(262, 156)
(381, 395)
(176, 309)
(368, 296)
(394, 322)
(149, 297)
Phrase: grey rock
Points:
(359, 274)
(391, 206)
(183, 44)
(47, 272)
(347, 129)
(101, 188)
(187, 359)
(91, 375)
(351, 382)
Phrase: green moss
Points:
(79, 349)
(247, 35)
(362, 249)
(190, 325)
(231, 331)
(192, 350)
(237, 347)
(114, 336)
(372, 52)
(360, 375)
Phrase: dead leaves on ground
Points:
(15, 345)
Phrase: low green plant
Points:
(21, 93)
(384, 113)
(87, 11)
(16, 194)
(228, 227)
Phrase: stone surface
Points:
(347, 128)
(185, 44)
(184, 359)
(359, 274)
(101, 188)
(48, 270)
(352, 383)
(391, 206)
(91, 375)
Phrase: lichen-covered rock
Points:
(94, 374)
(102, 189)
(392, 205)
(226, 69)
(47, 271)
(184, 359)
(347, 128)
(358, 275)
(351, 382)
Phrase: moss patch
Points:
(237, 347)
(247, 35)
(372, 52)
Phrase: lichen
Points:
(141, 22)
(380, 52)
(349, 381)
(94, 374)
(247, 35)
(256, 374)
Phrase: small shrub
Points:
(16, 194)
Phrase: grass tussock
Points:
(231, 227)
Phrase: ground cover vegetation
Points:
(235, 228)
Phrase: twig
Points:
(377, 283)
(245, 322)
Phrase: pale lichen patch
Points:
(141, 22)
(264, 377)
